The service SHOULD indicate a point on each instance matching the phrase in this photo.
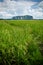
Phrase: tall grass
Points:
(19, 42)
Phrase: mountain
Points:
(26, 17)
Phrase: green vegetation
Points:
(21, 42)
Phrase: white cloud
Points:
(5, 15)
(12, 8)
(37, 14)
(40, 4)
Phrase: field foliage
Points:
(21, 42)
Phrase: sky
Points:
(10, 8)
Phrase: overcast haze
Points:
(10, 8)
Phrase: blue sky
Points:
(1, 0)
(24, 0)
(29, 0)
(10, 8)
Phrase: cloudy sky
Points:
(10, 8)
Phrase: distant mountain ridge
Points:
(25, 17)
